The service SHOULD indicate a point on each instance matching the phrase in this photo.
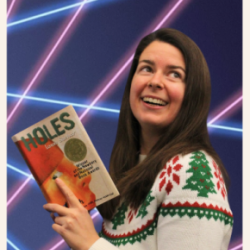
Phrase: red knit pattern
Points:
(197, 205)
(171, 170)
(220, 182)
(138, 230)
(175, 159)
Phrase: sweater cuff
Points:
(102, 244)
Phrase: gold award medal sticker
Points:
(75, 149)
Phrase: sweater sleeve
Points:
(102, 244)
(193, 208)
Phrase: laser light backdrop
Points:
(65, 52)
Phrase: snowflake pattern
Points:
(220, 183)
(171, 169)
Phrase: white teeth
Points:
(154, 101)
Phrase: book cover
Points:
(59, 147)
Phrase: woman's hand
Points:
(74, 223)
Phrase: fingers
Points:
(59, 229)
(60, 220)
(52, 215)
(55, 208)
(68, 194)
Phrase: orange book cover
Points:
(59, 147)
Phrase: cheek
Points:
(134, 98)
(134, 93)
(177, 94)
(132, 102)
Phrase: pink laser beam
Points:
(107, 86)
(57, 245)
(168, 15)
(127, 63)
(237, 247)
(19, 190)
(225, 110)
(10, 8)
(62, 241)
(46, 61)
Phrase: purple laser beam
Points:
(237, 247)
(19, 190)
(225, 110)
(10, 8)
(46, 61)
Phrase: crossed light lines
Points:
(225, 110)
(48, 57)
(30, 85)
(97, 98)
(117, 111)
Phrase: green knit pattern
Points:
(143, 209)
(119, 217)
(196, 211)
(137, 237)
(201, 179)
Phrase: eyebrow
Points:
(170, 66)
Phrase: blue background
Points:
(102, 39)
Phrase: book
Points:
(59, 147)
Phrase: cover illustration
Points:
(59, 147)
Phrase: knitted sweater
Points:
(186, 208)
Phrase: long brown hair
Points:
(187, 133)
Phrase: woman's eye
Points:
(146, 69)
(175, 74)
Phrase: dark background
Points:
(101, 40)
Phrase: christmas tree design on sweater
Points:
(143, 209)
(119, 217)
(201, 179)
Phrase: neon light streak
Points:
(19, 171)
(10, 8)
(62, 241)
(94, 215)
(225, 128)
(47, 13)
(64, 103)
(168, 15)
(106, 109)
(237, 247)
(12, 244)
(57, 245)
(126, 64)
(225, 110)
(19, 190)
(46, 60)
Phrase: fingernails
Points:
(57, 180)
(45, 207)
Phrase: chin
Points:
(154, 125)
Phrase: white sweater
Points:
(186, 208)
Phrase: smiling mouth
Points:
(154, 101)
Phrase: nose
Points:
(155, 82)
(155, 85)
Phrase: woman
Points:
(170, 178)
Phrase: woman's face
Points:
(158, 85)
